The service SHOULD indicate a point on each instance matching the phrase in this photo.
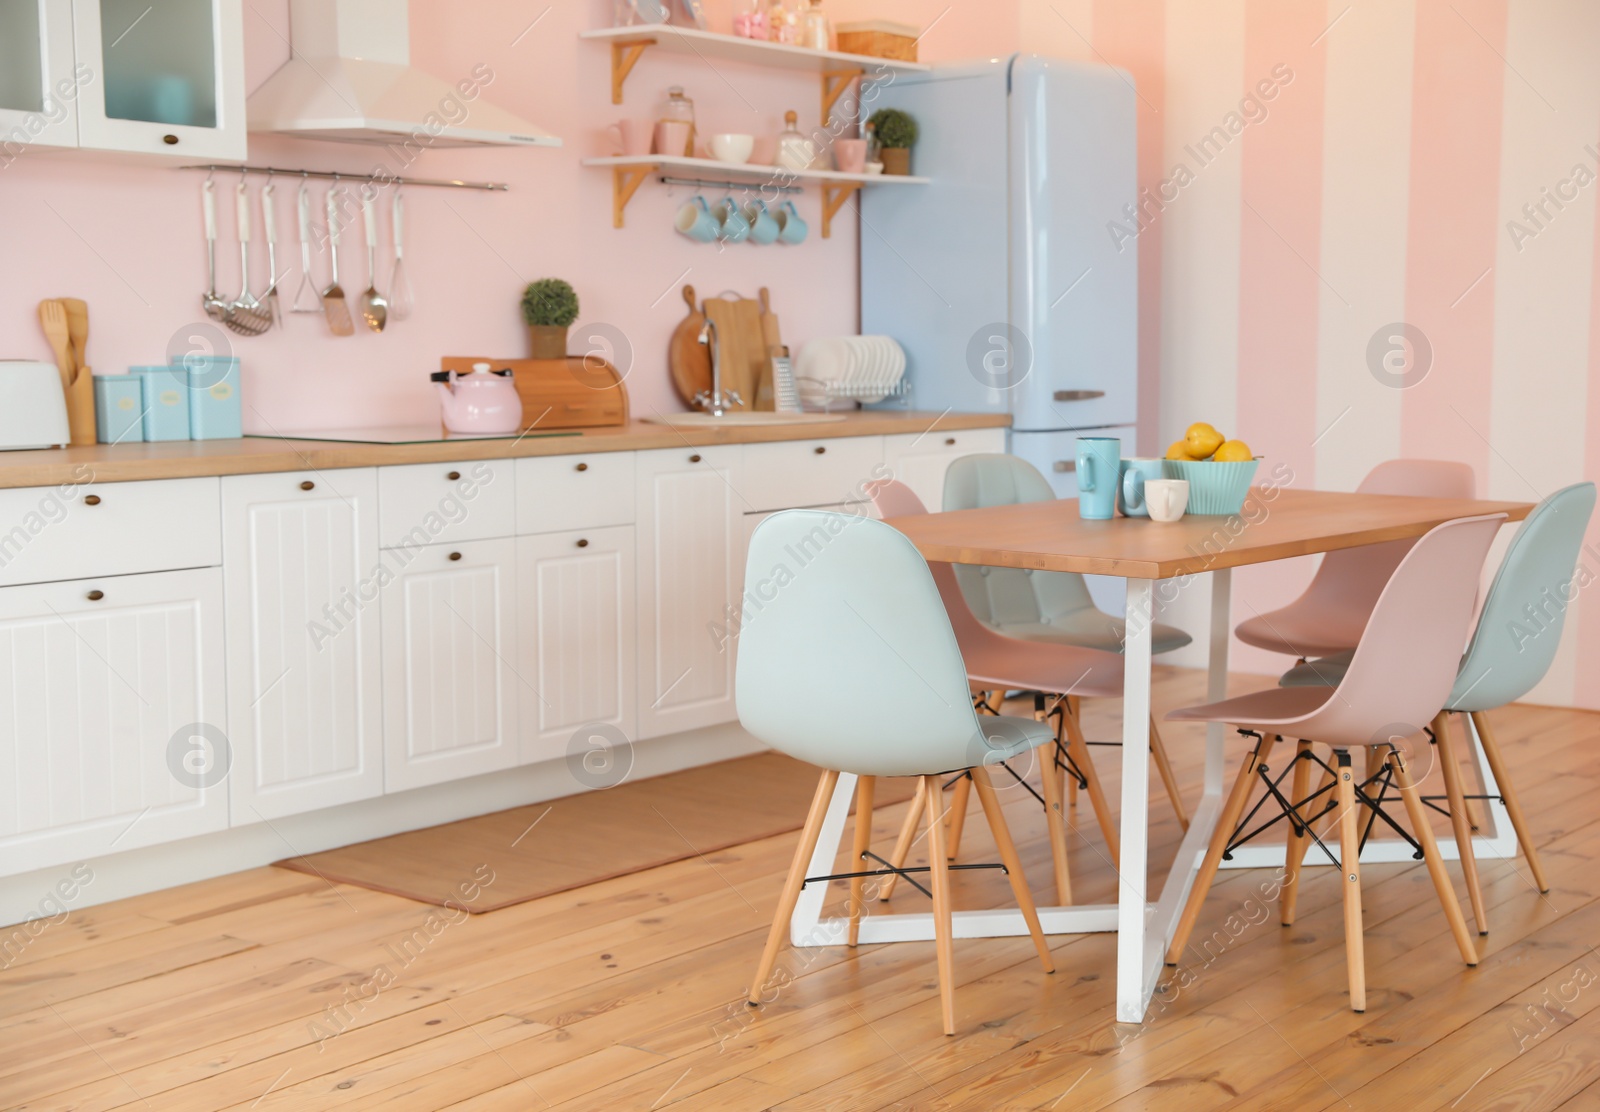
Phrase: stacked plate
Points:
(866, 369)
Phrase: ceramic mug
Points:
(1130, 490)
(732, 147)
(629, 137)
(1099, 467)
(694, 220)
(735, 227)
(1166, 499)
(791, 229)
(850, 155)
(763, 225)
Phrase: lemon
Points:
(1179, 450)
(1233, 451)
(1202, 440)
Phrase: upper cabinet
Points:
(123, 75)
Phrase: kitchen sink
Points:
(747, 417)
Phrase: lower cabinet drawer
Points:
(437, 503)
(82, 529)
(112, 733)
(557, 493)
(792, 473)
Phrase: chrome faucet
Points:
(717, 401)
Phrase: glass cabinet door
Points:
(170, 76)
(38, 88)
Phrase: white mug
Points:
(1166, 498)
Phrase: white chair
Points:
(853, 666)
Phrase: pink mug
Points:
(629, 137)
(850, 155)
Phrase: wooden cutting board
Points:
(688, 360)
(765, 392)
(741, 344)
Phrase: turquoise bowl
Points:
(1215, 489)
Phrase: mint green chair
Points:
(853, 666)
(1510, 652)
(1034, 605)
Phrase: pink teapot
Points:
(482, 401)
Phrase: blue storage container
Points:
(165, 398)
(118, 402)
(214, 403)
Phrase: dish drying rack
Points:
(859, 393)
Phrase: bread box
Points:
(879, 38)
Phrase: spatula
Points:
(374, 309)
(333, 302)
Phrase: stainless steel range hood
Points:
(350, 80)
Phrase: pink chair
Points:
(1329, 617)
(1056, 673)
(1397, 682)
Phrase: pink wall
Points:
(128, 239)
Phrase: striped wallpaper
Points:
(1379, 164)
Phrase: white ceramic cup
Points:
(732, 147)
(1166, 498)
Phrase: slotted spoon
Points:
(246, 316)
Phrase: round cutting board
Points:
(687, 358)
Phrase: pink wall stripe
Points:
(1456, 110)
(1132, 34)
(1280, 290)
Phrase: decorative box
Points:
(165, 399)
(118, 403)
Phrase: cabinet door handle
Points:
(455, 555)
(453, 476)
(581, 467)
(1079, 395)
(820, 449)
(170, 140)
(695, 458)
(96, 596)
(582, 543)
(91, 500)
(949, 442)
(307, 485)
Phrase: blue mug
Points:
(763, 225)
(694, 220)
(792, 229)
(1099, 473)
(1130, 490)
(735, 226)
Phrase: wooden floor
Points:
(274, 990)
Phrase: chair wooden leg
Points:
(1158, 750)
(1013, 863)
(957, 821)
(1079, 749)
(1350, 873)
(797, 877)
(1295, 852)
(1460, 822)
(1430, 854)
(1226, 821)
(943, 928)
(908, 834)
(1055, 820)
(1491, 749)
(1069, 780)
(863, 841)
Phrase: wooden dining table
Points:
(1277, 523)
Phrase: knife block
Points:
(580, 391)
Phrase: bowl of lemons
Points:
(1217, 469)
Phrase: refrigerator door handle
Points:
(1078, 395)
(1066, 465)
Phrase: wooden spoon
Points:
(53, 318)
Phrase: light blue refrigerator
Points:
(1011, 278)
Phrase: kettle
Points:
(484, 401)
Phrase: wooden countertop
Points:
(113, 463)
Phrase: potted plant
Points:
(896, 134)
(549, 306)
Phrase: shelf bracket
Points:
(834, 83)
(623, 57)
(833, 199)
(625, 182)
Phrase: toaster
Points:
(33, 407)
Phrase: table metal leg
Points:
(1132, 911)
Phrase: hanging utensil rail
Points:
(730, 186)
(340, 175)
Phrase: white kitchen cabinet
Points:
(920, 459)
(577, 637)
(167, 77)
(105, 685)
(788, 474)
(302, 579)
(39, 85)
(449, 639)
(691, 575)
